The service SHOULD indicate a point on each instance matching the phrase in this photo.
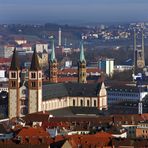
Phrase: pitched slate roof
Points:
(15, 62)
(59, 90)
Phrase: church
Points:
(35, 95)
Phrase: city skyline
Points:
(77, 12)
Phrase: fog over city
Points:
(77, 11)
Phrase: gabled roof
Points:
(59, 90)
(35, 62)
(15, 62)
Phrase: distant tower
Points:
(82, 66)
(14, 87)
(53, 70)
(140, 104)
(140, 55)
(35, 85)
(135, 54)
(60, 37)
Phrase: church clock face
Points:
(140, 64)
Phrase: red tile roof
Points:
(98, 140)
(74, 70)
(5, 60)
(32, 135)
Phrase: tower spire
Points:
(35, 62)
(52, 58)
(15, 62)
(82, 66)
(53, 69)
(82, 57)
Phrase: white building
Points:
(107, 66)
(40, 47)
(8, 50)
(121, 68)
(124, 93)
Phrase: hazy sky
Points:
(78, 11)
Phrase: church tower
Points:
(53, 70)
(14, 87)
(35, 85)
(82, 66)
(140, 55)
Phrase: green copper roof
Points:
(82, 57)
(53, 51)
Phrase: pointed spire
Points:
(82, 57)
(15, 62)
(52, 58)
(35, 62)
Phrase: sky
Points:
(73, 11)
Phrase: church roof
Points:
(35, 62)
(58, 90)
(15, 62)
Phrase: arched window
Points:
(95, 103)
(81, 102)
(74, 102)
(23, 110)
(87, 102)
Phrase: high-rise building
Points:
(107, 66)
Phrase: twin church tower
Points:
(26, 96)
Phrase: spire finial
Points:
(82, 57)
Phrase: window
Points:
(74, 102)
(95, 103)
(13, 84)
(81, 102)
(33, 75)
(87, 102)
(13, 75)
(22, 102)
(23, 91)
(33, 84)
(39, 84)
(24, 111)
(40, 75)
